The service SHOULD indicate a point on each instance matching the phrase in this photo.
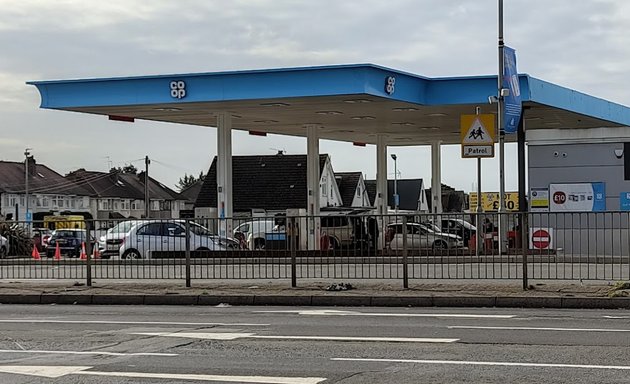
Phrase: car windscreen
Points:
(61, 234)
(123, 227)
(199, 230)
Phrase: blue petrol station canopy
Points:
(349, 102)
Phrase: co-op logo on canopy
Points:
(178, 89)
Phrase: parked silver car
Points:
(421, 236)
(139, 239)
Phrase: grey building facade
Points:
(582, 156)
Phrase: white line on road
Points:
(540, 329)
(234, 336)
(38, 321)
(488, 363)
(55, 372)
(104, 353)
(332, 312)
(617, 317)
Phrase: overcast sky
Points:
(584, 45)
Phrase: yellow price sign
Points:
(490, 201)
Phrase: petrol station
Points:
(358, 103)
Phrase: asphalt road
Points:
(131, 344)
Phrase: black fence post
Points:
(88, 251)
(404, 253)
(188, 282)
(292, 233)
(525, 246)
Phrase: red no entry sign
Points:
(541, 239)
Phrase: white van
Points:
(253, 231)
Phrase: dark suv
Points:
(69, 240)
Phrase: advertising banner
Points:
(511, 103)
(579, 197)
(490, 201)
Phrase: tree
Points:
(189, 180)
(129, 168)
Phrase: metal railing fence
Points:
(409, 246)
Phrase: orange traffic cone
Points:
(35, 254)
(83, 254)
(95, 253)
(57, 252)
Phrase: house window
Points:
(12, 200)
(324, 186)
(358, 191)
(22, 201)
(115, 205)
(135, 204)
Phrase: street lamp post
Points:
(393, 155)
(26, 155)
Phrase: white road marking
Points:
(489, 363)
(616, 317)
(332, 312)
(55, 372)
(39, 321)
(234, 336)
(104, 353)
(540, 329)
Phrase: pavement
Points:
(385, 293)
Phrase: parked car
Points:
(137, 239)
(4, 247)
(459, 227)
(345, 231)
(420, 236)
(253, 232)
(69, 240)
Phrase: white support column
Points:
(312, 185)
(436, 177)
(224, 173)
(381, 186)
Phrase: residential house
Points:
(48, 192)
(452, 200)
(352, 189)
(190, 197)
(118, 195)
(411, 192)
(268, 184)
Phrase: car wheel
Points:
(259, 244)
(440, 245)
(3, 252)
(131, 254)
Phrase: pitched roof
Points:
(121, 185)
(41, 180)
(347, 184)
(408, 189)
(191, 192)
(271, 182)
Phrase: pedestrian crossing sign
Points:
(477, 135)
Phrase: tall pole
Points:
(478, 222)
(147, 206)
(26, 155)
(395, 183)
(500, 123)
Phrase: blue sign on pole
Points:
(512, 102)
(624, 201)
(29, 216)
